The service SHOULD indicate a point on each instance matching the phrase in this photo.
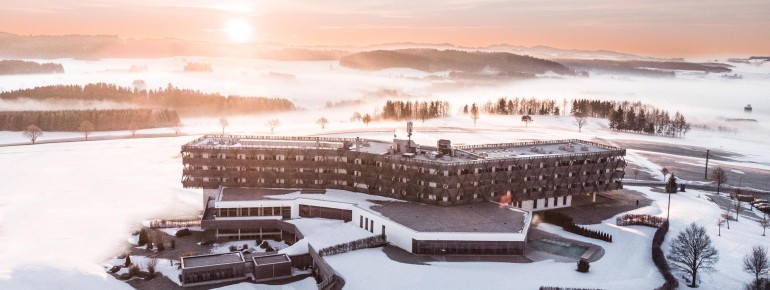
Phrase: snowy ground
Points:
(65, 207)
(322, 233)
(627, 263)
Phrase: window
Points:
(554, 201)
(534, 204)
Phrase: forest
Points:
(623, 116)
(405, 110)
(14, 67)
(185, 102)
(433, 60)
(103, 120)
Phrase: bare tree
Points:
(474, 113)
(367, 119)
(738, 207)
(151, 264)
(32, 133)
(356, 117)
(692, 251)
(86, 128)
(273, 123)
(665, 172)
(178, 128)
(223, 123)
(719, 176)
(764, 223)
(526, 119)
(726, 216)
(580, 120)
(133, 128)
(322, 121)
(756, 263)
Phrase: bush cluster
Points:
(369, 242)
(659, 258)
(568, 225)
(640, 220)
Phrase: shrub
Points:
(149, 246)
(233, 248)
(128, 261)
(183, 232)
(263, 245)
(659, 258)
(133, 270)
(151, 264)
(245, 247)
(269, 249)
(259, 242)
(583, 265)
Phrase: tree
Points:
(719, 176)
(128, 260)
(133, 128)
(726, 216)
(465, 110)
(151, 264)
(32, 133)
(665, 172)
(756, 263)
(692, 251)
(223, 123)
(583, 266)
(367, 119)
(671, 185)
(86, 128)
(526, 119)
(474, 113)
(273, 123)
(356, 117)
(580, 120)
(764, 223)
(322, 121)
(143, 238)
(738, 205)
(720, 223)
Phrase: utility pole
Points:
(706, 174)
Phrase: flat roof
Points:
(250, 193)
(478, 217)
(463, 153)
(211, 260)
(270, 259)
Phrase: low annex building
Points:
(539, 175)
(473, 229)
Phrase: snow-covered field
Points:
(67, 207)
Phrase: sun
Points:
(238, 30)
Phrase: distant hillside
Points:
(13, 67)
(641, 67)
(433, 60)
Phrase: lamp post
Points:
(706, 173)
(668, 211)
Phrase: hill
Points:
(433, 60)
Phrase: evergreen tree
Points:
(671, 185)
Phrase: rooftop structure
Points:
(470, 218)
(213, 259)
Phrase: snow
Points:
(164, 266)
(322, 233)
(360, 199)
(224, 247)
(737, 171)
(304, 284)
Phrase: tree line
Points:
(184, 101)
(12, 67)
(623, 116)
(405, 110)
(102, 120)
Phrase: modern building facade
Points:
(539, 175)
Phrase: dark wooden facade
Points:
(428, 181)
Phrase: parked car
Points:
(757, 201)
(764, 208)
(757, 205)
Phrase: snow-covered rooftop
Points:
(480, 217)
(213, 259)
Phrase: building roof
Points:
(480, 217)
(211, 260)
(462, 154)
(270, 259)
(249, 193)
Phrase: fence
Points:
(369, 242)
(640, 220)
(178, 223)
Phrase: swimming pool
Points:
(558, 248)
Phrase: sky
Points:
(651, 27)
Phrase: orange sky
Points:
(653, 27)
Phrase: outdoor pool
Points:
(558, 248)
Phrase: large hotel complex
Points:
(427, 200)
